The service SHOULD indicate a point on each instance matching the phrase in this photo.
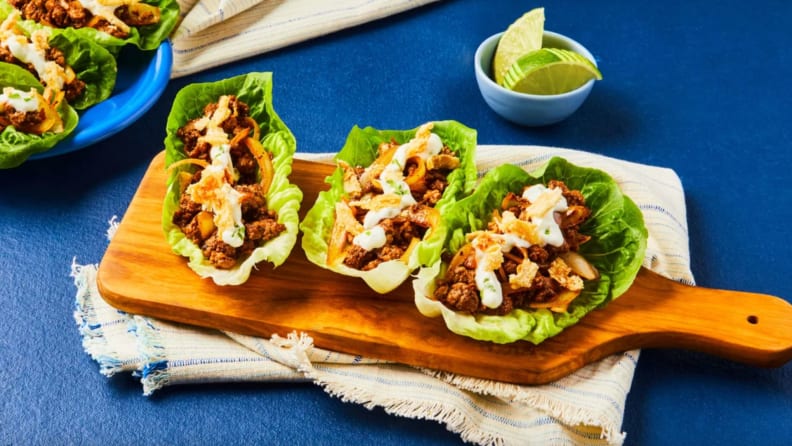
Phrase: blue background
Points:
(700, 87)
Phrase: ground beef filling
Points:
(71, 90)
(457, 289)
(400, 231)
(70, 13)
(410, 224)
(25, 122)
(261, 224)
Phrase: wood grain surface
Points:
(140, 274)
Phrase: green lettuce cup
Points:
(16, 144)
(616, 249)
(93, 67)
(282, 197)
(145, 37)
(361, 150)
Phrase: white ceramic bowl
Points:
(529, 109)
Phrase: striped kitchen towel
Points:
(586, 407)
(216, 32)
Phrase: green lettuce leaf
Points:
(360, 149)
(616, 249)
(91, 62)
(255, 89)
(145, 37)
(16, 146)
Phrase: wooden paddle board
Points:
(140, 274)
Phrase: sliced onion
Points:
(182, 162)
(256, 129)
(460, 256)
(580, 265)
(375, 169)
(418, 174)
(184, 176)
(559, 304)
(424, 216)
(264, 162)
(443, 161)
(509, 201)
(141, 14)
(336, 246)
(405, 258)
(241, 135)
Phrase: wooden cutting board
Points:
(140, 274)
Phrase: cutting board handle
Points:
(747, 327)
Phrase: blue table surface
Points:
(699, 87)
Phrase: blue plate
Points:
(142, 77)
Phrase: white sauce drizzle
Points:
(547, 228)
(21, 101)
(489, 287)
(372, 238)
(392, 180)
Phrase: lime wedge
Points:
(521, 37)
(550, 71)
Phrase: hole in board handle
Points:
(752, 319)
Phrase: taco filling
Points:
(223, 206)
(114, 17)
(525, 258)
(34, 54)
(391, 203)
(30, 111)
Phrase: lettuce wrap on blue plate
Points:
(380, 218)
(529, 254)
(229, 203)
(110, 23)
(60, 59)
(32, 118)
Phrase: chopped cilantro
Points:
(398, 188)
(488, 284)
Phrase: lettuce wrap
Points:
(145, 37)
(282, 197)
(91, 64)
(15, 145)
(361, 149)
(616, 248)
